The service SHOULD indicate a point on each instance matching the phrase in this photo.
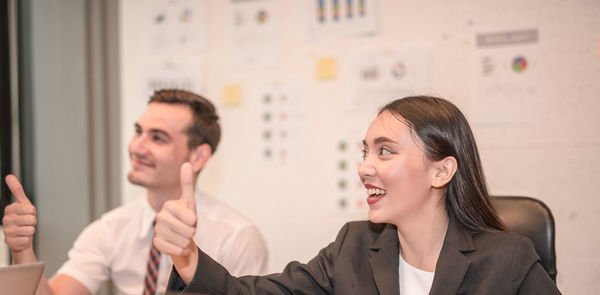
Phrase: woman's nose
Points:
(365, 168)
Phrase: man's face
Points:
(159, 146)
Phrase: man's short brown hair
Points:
(205, 127)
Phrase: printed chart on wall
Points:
(379, 77)
(348, 195)
(253, 33)
(506, 78)
(174, 26)
(340, 18)
(280, 124)
(180, 74)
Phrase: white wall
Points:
(552, 157)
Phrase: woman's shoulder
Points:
(508, 247)
(497, 240)
(497, 260)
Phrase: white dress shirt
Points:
(117, 245)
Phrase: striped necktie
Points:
(151, 272)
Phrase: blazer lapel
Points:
(384, 261)
(452, 264)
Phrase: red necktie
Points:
(151, 272)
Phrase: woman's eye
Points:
(363, 154)
(384, 151)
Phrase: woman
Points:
(431, 229)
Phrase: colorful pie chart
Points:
(399, 70)
(261, 16)
(519, 64)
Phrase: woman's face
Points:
(395, 171)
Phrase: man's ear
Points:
(443, 171)
(199, 156)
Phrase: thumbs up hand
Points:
(186, 179)
(176, 225)
(19, 223)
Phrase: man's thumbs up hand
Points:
(176, 221)
(19, 223)
(176, 225)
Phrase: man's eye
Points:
(158, 138)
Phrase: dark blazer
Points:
(364, 260)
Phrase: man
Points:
(176, 127)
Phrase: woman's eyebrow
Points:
(383, 139)
(380, 140)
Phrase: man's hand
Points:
(176, 225)
(19, 223)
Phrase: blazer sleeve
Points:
(314, 277)
(534, 279)
(538, 281)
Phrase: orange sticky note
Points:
(232, 95)
(326, 68)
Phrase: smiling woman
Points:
(431, 229)
(441, 131)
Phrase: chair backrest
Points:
(533, 219)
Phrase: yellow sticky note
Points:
(326, 68)
(232, 95)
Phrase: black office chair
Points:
(533, 219)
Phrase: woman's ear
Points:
(199, 156)
(443, 171)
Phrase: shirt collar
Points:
(148, 216)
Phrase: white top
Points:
(117, 245)
(413, 281)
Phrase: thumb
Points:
(186, 178)
(17, 189)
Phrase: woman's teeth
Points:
(375, 191)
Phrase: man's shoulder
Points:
(213, 211)
(132, 207)
(119, 217)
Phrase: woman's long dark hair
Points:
(445, 132)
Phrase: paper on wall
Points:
(184, 74)
(340, 18)
(281, 127)
(348, 195)
(174, 26)
(381, 76)
(326, 68)
(253, 33)
(506, 78)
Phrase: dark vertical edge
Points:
(25, 77)
(112, 114)
(5, 106)
(89, 46)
